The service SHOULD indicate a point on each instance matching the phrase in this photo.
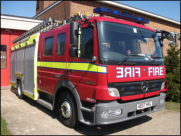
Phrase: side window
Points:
(61, 44)
(48, 46)
(3, 57)
(86, 46)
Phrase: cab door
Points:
(81, 71)
(45, 72)
(60, 53)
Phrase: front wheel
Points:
(68, 110)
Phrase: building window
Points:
(48, 46)
(86, 46)
(37, 5)
(3, 57)
(61, 44)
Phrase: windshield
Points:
(120, 43)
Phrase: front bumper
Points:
(129, 110)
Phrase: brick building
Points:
(61, 10)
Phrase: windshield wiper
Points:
(142, 36)
(120, 63)
(154, 60)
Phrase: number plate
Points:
(144, 105)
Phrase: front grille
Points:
(134, 88)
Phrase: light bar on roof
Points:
(122, 15)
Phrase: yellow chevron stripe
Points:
(30, 41)
(35, 36)
(13, 84)
(23, 44)
(74, 66)
(13, 48)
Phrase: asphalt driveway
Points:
(27, 117)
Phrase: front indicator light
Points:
(113, 92)
(162, 86)
(111, 113)
(162, 101)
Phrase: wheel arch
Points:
(67, 85)
(18, 79)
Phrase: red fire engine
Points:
(92, 69)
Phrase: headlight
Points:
(111, 113)
(162, 86)
(113, 92)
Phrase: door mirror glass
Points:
(74, 26)
(167, 35)
(73, 52)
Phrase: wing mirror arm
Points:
(94, 59)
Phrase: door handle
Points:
(69, 71)
(42, 68)
(39, 56)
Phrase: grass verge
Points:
(4, 130)
(172, 106)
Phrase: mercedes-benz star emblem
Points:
(144, 86)
(144, 69)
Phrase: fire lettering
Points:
(155, 71)
(149, 71)
(127, 72)
(119, 72)
(138, 71)
(161, 70)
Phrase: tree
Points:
(172, 64)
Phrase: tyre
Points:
(19, 91)
(68, 110)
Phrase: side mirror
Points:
(167, 35)
(73, 52)
(74, 26)
(75, 36)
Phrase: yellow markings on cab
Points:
(73, 66)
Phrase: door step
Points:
(86, 109)
(45, 104)
(87, 122)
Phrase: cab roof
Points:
(108, 19)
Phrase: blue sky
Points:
(169, 9)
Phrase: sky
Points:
(168, 9)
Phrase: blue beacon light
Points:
(122, 15)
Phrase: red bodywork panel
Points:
(99, 89)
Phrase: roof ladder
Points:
(47, 25)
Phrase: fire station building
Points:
(61, 10)
(11, 28)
